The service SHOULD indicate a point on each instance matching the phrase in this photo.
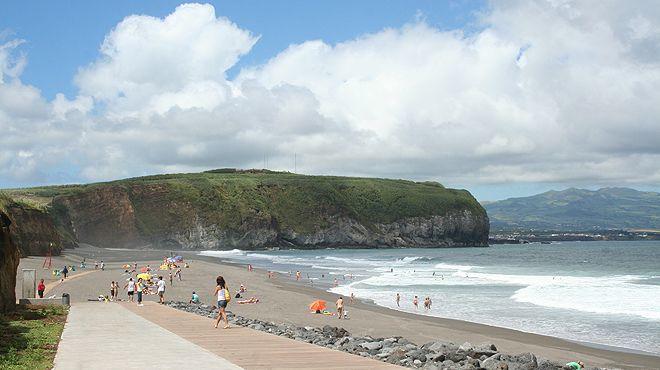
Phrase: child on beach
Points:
(131, 289)
(40, 288)
(194, 299)
(416, 302)
(224, 297)
(340, 307)
(161, 290)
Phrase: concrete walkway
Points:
(108, 336)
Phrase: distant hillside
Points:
(225, 209)
(578, 209)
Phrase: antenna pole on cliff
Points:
(48, 260)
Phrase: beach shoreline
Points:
(284, 300)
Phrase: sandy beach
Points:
(283, 300)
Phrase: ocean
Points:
(605, 293)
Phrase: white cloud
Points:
(546, 91)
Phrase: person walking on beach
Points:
(171, 279)
(112, 290)
(398, 299)
(222, 292)
(161, 290)
(102, 265)
(178, 274)
(130, 286)
(352, 297)
(41, 288)
(96, 265)
(138, 288)
(416, 302)
(297, 275)
(340, 307)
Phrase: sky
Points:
(503, 98)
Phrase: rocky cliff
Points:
(256, 209)
(9, 259)
(35, 229)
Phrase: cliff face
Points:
(255, 211)
(34, 230)
(9, 259)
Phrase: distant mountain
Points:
(578, 209)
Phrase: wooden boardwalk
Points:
(248, 348)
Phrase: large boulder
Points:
(9, 259)
(523, 361)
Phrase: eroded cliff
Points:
(254, 210)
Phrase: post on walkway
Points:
(29, 283)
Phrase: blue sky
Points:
(473, 94)
(61, 36)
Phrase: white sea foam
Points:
(226, 254)
(448, 266)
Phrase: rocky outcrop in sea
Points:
(395, 350)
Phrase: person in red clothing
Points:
(40, 288)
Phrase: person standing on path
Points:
(223, 295)
(65, 271)
(138, 287)
(41, 288)
(131, 289)
(340, 307)
(161, 290)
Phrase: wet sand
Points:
(284, 300)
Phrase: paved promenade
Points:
(123, 336)
(108, 336)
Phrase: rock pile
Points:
(395, 350)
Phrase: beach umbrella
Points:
(318, 305)
(126, 266)
(144, 276)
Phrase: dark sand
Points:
(284, 300)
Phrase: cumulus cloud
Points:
(545, 91)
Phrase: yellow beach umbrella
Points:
(144, 276)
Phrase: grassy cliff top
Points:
(302, 201)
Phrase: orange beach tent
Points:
(318, 305)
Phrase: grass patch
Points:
(29, 337)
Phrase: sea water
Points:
(597, 292)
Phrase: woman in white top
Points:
(221, 292)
